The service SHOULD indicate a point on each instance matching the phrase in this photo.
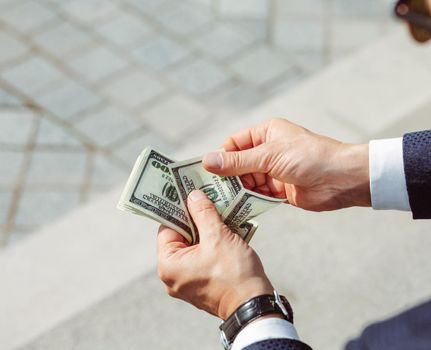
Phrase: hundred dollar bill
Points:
(150, 191)
(158, 188)
(246, 206)
(226, 192)
(247, 230)
(190, 175)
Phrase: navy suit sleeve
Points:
(278, 344)
(410, 330)
(417, 168)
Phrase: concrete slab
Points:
(385, 85)
(83, 282)
(81, 259)
(348, 274)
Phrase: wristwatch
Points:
(251, 310)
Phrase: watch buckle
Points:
(224, 340)
(280, 304)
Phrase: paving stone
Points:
(124, 29)
(19, 233)
(199, 77)
(107, 125)
(303, 8)
(5, 199)
(117, 322)
(310, 61)
(62, 39)
(207, 3)
(256, 27)
(159, 52)
(224, 41)
(149, 7)
(39, 208)
(351, 33)
(7, 99)
(183, 18)
(10, 166)
(386, 103)
(27, 16)
(54, 135)
(244, 8)
(93, 194)
(129, 151)
(16, 126)
(68, 99)
(98, 63)
(10, 47)
(291, 80)
(238, 97)
(133, 89)
(106, 174)
(57, 168)
(32, 75)
(363, 8)
(299, 35)
(261, 66)
(90, 11)
(174, 117)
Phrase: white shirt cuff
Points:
(268, 328)
(387, 178)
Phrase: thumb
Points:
(253, 160)
(204, 214)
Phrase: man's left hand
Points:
(218, 274)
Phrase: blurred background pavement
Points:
(86, 84)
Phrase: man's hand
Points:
(216, 275)
(284, 160)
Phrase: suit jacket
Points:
(410, 330)
(417, 168)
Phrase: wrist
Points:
(254, 310)
(353, 175)
(236, 296)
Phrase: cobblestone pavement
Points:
(86, 84)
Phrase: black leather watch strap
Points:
(251, 310)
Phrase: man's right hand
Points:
(284, 160)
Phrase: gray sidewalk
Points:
(86, 84)
(93, 278)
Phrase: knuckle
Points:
(174, 290)
(205, 207)
(161, 273)
(276, 121)
(165, 275)
(225, 230)
(218, 238)
(266, 161)
(235, 160)
(171, 292)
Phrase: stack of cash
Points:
(158, 188)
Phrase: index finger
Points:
(169, 241)
(247, 138)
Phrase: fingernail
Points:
(197, 195)
(213, 160)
